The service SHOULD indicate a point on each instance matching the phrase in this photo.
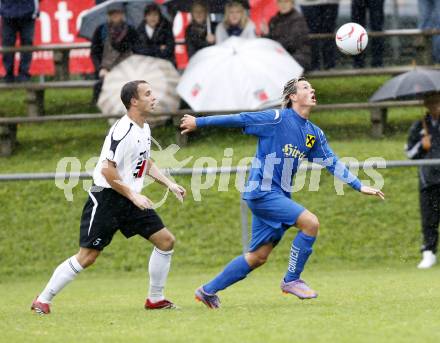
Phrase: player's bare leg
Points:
(259, 257)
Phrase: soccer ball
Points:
(351, 39)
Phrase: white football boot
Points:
(428, 260)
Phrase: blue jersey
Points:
(284, 139)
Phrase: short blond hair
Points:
(244, 17)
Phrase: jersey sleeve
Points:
(118, 142)
(261, 123)
(226, 120)
(322, 154)
(252, 123)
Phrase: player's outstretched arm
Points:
(372, 191)
(154, 172)
(190, 123)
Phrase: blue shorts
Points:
(272, 215)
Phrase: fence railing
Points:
(313, 36)
(45, 176)
(62, 51)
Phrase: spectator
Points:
(429, 18)
(18, 17)
(155, 34)
(289, 28)
(196, 35)
(321, 17)
(235, 23)
(112, 42)
(376, 18)
(424, 143)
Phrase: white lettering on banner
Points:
(180, 49)
(178, 24)
(62, 15)
(46, 30)
(43, 55)
(79, 53)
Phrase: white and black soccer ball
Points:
(351, 39)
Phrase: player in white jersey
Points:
(115, 202)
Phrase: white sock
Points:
(158, 268)
(63, 274)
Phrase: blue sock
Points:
(234, 271)
(299, 253)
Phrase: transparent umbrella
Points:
(237, 74)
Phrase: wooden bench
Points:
(9, 126)
(378, 114)
(35, 90)
(378, 117)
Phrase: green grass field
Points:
(385, 303)
(363, 263)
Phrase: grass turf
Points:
(380, 303)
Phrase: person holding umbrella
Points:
(198, 34)
(424, 143)
(112, 42)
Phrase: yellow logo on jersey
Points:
(310, 140)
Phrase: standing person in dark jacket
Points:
(424, 143)
(376, 16)
(321, 17)
(18, 17)
(112, 42)
(289, 27)
(155, 34)
(196, 35)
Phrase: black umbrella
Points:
(414, 84)
(214, 6)
(96, 16)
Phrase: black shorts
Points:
(106, 211)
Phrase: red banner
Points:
(59, 24)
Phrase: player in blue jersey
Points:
(285, 137)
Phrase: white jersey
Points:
(128, 145)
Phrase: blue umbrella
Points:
(96, 16)
(414, 84)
